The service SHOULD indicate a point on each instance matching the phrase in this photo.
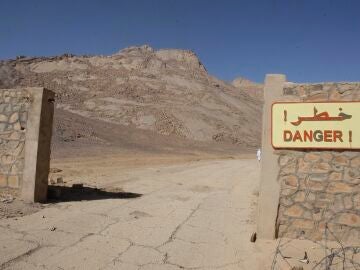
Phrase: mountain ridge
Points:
(167, 91)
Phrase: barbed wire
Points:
(341, 257)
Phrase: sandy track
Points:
(192, 215)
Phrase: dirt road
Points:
(185, 215)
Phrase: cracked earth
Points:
(192, 215)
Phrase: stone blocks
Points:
(25, 129)
(12, 136)
(319, 190)
(324, 188)
(323, 91)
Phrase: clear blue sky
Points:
(308, 40)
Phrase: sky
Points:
(308, 40)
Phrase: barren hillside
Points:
(168, 92)
(253, 89)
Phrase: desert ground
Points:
(139, 211)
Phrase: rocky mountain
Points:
(166, 91)
(252, 88)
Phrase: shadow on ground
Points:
(82, 193)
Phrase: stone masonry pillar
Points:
(269, 186)
(37, 145)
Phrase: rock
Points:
(321, 167)
(339, 187)
(304, 167)
(318, 177)
(294, 211)
(315, 185)
(13, 181)
(355, 162)
(311, 157)
(303, 224)
(3, 126)
(251, 88)
(341, 160)
(349, 219)
(300, 196)
(14, 118)
(289, 181)
(321, 96)
(3, 118)
(290, 91)
(335, 176)
(317, 216)
(352, 175)
(17, 126)
(59, 180)
(321, 204)
(326, 156)
(348, 202)
(288, 168)
(301, 91)
(325, 197)
(55, 170)
(356, 199)
(337, 205)
(3, 180)
(253, 237)
(311, 196)
(285, 159)
(7, 198)
(77, 186)
(344, 87)
(284, 200)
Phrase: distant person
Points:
(258, 154)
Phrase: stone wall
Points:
(319, 189)
(25, 136)
(323, 91)
(14, 105)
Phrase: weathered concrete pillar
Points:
(269, 186)
(37, 145)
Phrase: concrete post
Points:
(37, 145)
(269, 186)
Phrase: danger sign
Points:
(330, 125)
